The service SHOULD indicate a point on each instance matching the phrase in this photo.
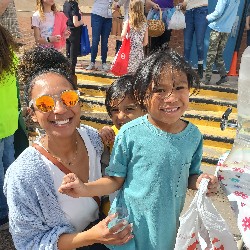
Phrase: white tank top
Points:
(79, 211)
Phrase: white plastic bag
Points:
(177, 21)
(202, 227)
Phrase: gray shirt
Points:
(101, 8)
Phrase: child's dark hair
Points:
(118, 90)
(7, 47)
(151, 68)
(40, 60)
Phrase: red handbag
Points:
(119, 65)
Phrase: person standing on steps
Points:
(137, 29)
(101, 23)
(196, 23)
(8, 113)
(221, 22)
(74, 23)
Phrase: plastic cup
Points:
(121, 216)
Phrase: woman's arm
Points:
(43, 40)
(152, 4)
(100, 233)
(76, 22)
(74, 187)
(145, 38)
(124, 29)
(247, 22)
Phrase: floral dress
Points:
(136, 47)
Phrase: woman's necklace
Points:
(68, 163)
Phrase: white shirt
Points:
(79, 211)
(46, 26)
(191, 4)
(101, 7)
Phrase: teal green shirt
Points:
(8, 105)
(156, 166)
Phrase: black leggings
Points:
(157, 42)
(73, 46)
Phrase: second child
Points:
(136, 27)
(155, 157)
(121, 107)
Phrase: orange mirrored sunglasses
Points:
(46, 103)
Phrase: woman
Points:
(196, 23)
(101, 23)
(40, 217)
(8, 113)
(75, 22)
(49, 25)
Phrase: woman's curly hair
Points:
(40, 60)
(7, 47)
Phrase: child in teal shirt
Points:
(155, 157)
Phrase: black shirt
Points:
(70, 9)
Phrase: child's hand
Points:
(55, 39)
(72, 186)
(212, 184)
(102, 234)
(107, 134)
(67, 33)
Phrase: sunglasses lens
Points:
(70, 98)
(45, 103)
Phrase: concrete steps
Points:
(205, 110)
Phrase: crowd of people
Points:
(51, 191)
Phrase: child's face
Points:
(168, 100)
(124, 111)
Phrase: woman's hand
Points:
(72, 186)
(111, 236)
(107, 134)
(212, 184)
(156, 6)
(55, 39)
(66, 33)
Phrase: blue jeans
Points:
(101, 28)
(6, 158)
(196, 22)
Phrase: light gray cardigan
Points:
(36, 218)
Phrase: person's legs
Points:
(6, 158)
(74, 39)
(219, 61)
(200, 23)
(200, 30)
(96, 24)
(157, 42)
(67, 48)
(211, 54)
(188, 33)
(105, 32)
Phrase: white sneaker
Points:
(91, 66)
(105, 67)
